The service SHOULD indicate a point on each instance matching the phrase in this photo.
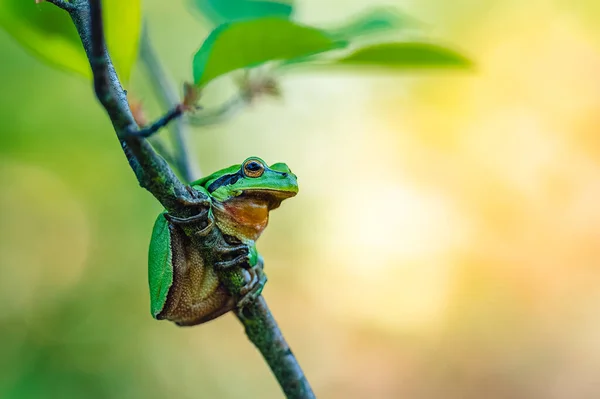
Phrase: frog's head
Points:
(253, 181)
(244, 194)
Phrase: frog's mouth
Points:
(271, 198)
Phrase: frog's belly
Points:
(196, 295)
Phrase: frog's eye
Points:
(253, 168)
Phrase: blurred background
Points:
(445, 242)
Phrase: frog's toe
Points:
(202, 221)
(240, 261)
(232, 251)
(253, 288)
(232, 256)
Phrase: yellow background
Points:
(445, 242)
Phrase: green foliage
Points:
(251, 33)
(49, 33)
(246, 44)
(221, 11)
(252, 41)
(405, 55)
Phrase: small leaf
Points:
(48, 32)
(245, 44)
(377, 20)
(221, 11)
(404, 56)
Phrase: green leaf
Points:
(123, 27)
(245, 44)
(377, 20)
(221, 11)
(407, 55)
(372, 22)
(48, 33)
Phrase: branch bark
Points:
(155, 175)
(263, 331)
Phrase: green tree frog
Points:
(186, 255)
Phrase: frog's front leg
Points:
(202, 223)
(198, 198)
(227, 251)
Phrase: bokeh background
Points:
(445, 242)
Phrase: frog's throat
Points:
(242, 219)
(247, 215)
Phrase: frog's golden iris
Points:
(253, 167)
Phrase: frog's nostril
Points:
(284, 175)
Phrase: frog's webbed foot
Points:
(231, 256)
(195, 199)
(253, 288)
(231, 252)
(202, 222)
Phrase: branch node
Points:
(156, 126)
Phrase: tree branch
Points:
(156, 176)
(167, 94)
(263, 331)
(152, 172)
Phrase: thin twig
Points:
(159, 124)
(167, 94)
(65, 5)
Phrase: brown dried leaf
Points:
(137, 110)
(191, 96)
